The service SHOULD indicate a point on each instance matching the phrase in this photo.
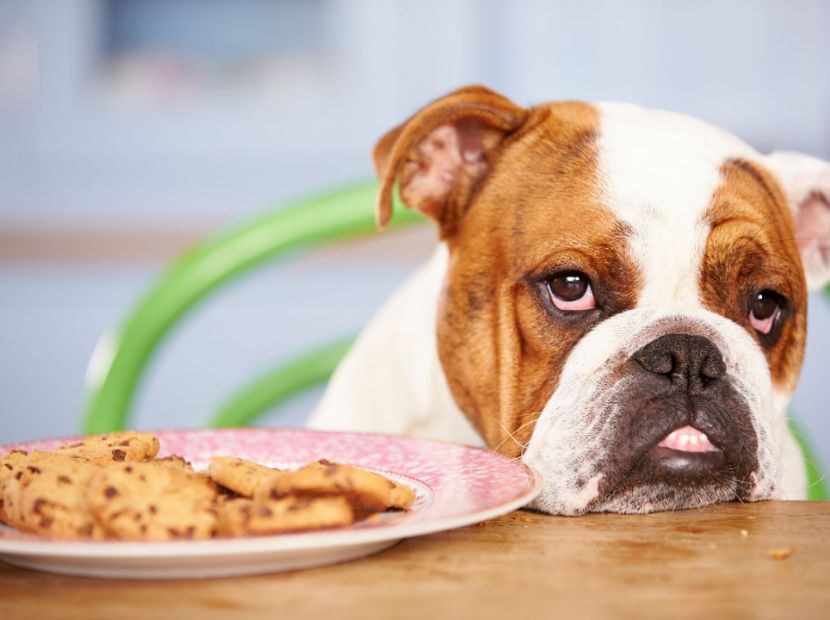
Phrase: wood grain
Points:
(686, 564)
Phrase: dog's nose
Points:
(690, 362)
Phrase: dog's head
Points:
(626, 297)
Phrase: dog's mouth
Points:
(673, 452)
(685, 452)
(687, 439)
(692, 452)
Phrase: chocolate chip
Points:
(64, 480)
(174, 533)
(18, 475)
(39, 503)
(76, 445)
(153, 510)
(33, 469)
(118, 455)
(143, 529)
(299, 504)
(128, 469)
(125, 443)
(9, 467)
(46, 522)
(264, 511)
(110, 492)
(85, 530)
(189, 532)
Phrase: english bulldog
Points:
(618, 298)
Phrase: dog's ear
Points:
(806, 182)
(440, 155)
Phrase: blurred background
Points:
(131, 128)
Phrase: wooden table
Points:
(714, 562)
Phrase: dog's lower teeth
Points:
(687, 439)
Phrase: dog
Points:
(618, 298)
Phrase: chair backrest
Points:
(121, 357)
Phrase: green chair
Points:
(121, 357)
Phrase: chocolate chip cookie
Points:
(153, 501)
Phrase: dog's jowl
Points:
(619, 298)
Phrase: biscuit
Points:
(176, 462)
(113, 448)
(399, 496)
(49, 498)
(240, 476)
(10, 500)
(15, 465)
(366, 491)
(10, 466)
(152, 501)
(245, 517)
(109, 487)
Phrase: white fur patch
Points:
(658, 172)
(806, 182)
(391, 381)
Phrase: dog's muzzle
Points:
(682, 424)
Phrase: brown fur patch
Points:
(538, 212)
(751, 247)
(486, 117)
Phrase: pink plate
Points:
(455, 485)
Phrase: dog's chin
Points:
(673, 479)
(663, 476)
(642, 499)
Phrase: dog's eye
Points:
(571, 292)
(765, 309)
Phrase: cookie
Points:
(176, 462)
(10, 501)
(49, 498)
(10, 466)
(15, 465)
(153, 501)
(240, 476)
(245, 517)
(113, 448)
(399, 496)
(366, 491)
